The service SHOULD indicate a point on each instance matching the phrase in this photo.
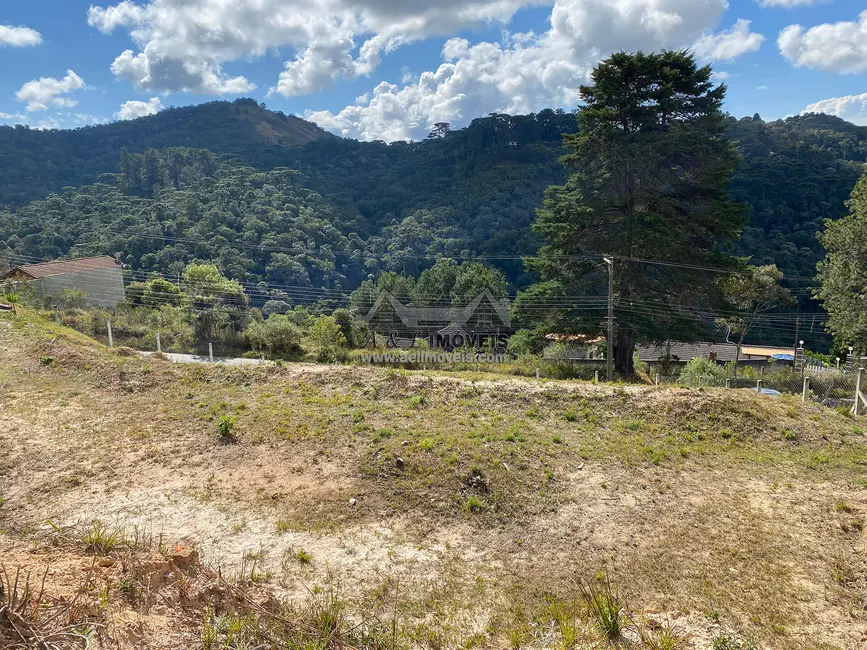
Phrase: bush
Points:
(525, 342)
(701, 371)
(226, 429)
(276, 335)
(327, 340)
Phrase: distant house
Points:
(100, 278)
(574, 347)
(681, 353)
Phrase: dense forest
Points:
(301, 207)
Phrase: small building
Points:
(679, 354)
(100, 278)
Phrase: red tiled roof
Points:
(63, 267)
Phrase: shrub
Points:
(276, 335)
(524, 342)
(701, 371)
(226, 428)
(327, 340)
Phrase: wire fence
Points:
(834, 388)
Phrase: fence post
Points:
(762, 373)
(859, 396)
(110, 337)
(759, 386)
(728, 383)
(657, 380)
(806, 394)
(159, 345)
(596, 377)
(211, 352)
(537, 373)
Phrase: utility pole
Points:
(797, 330)
(610, 262)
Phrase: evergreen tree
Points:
(649, 175)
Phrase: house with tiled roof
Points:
(100, 278)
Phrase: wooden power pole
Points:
(610, 262)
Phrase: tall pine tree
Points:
(649, 175)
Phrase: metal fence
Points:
(827, 386)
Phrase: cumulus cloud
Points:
(133, 109)
(182, 45)
(524, 72)
(835, 47)
(852, 108)
(48, 91)
(19, 36)
(728, 44)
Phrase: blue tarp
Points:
(783, 357)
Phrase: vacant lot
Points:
(423, 509)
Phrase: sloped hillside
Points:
(34, 163)
(428, 510)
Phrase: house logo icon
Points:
(447, 327)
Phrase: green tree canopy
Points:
(650, 170)
(843, 273)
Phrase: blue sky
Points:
(380, 69)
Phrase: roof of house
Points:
(724, 351)
(64, 267)
(764, 351)
(574, 338)
(686, 351)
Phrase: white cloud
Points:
(835, 47)
(133, 109)
(852, 108)
(48, 91)
(183, 45)
(761, 87)
(720, 75)
(10, 117)
(787, 4)
(728, 44)
(525, 72)
(19, 36)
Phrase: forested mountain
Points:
(34, 163)
(350, 209)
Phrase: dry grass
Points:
(477, 502)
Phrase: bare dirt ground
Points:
(438, 510)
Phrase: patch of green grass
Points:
(474, 504)
(426, 444)
(666, 637)
(570, 416)
(303, 556)
(605, 609)
(725, 642)
(100, 538)
(417, 400)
